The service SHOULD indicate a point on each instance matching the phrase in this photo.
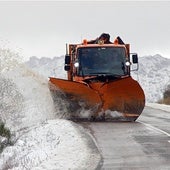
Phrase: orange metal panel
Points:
(122, 95)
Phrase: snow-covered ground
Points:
(40, 139)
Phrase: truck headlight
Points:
(76, 64)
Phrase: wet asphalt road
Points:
(140, 145)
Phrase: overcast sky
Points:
(42, 28)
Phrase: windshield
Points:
(101, 61)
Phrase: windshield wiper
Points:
(104, 74)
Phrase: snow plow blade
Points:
(120, 99)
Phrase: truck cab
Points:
(86, 60)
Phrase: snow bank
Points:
(54, 144)
(41, 140)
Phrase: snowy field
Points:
(40, 139)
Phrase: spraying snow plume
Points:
(40, 141)
(11, 102)
(28, 95)
(8, 59)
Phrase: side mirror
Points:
(135, 58)
(67, 59)
(66, 67)
(67, 62)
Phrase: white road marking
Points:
(156, 129)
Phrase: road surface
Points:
(140, 145)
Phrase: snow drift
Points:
(40, 139)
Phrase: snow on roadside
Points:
(54, 144)
(41, 140)
(159, 106)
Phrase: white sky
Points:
(42, 28)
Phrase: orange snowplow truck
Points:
(99, 80)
